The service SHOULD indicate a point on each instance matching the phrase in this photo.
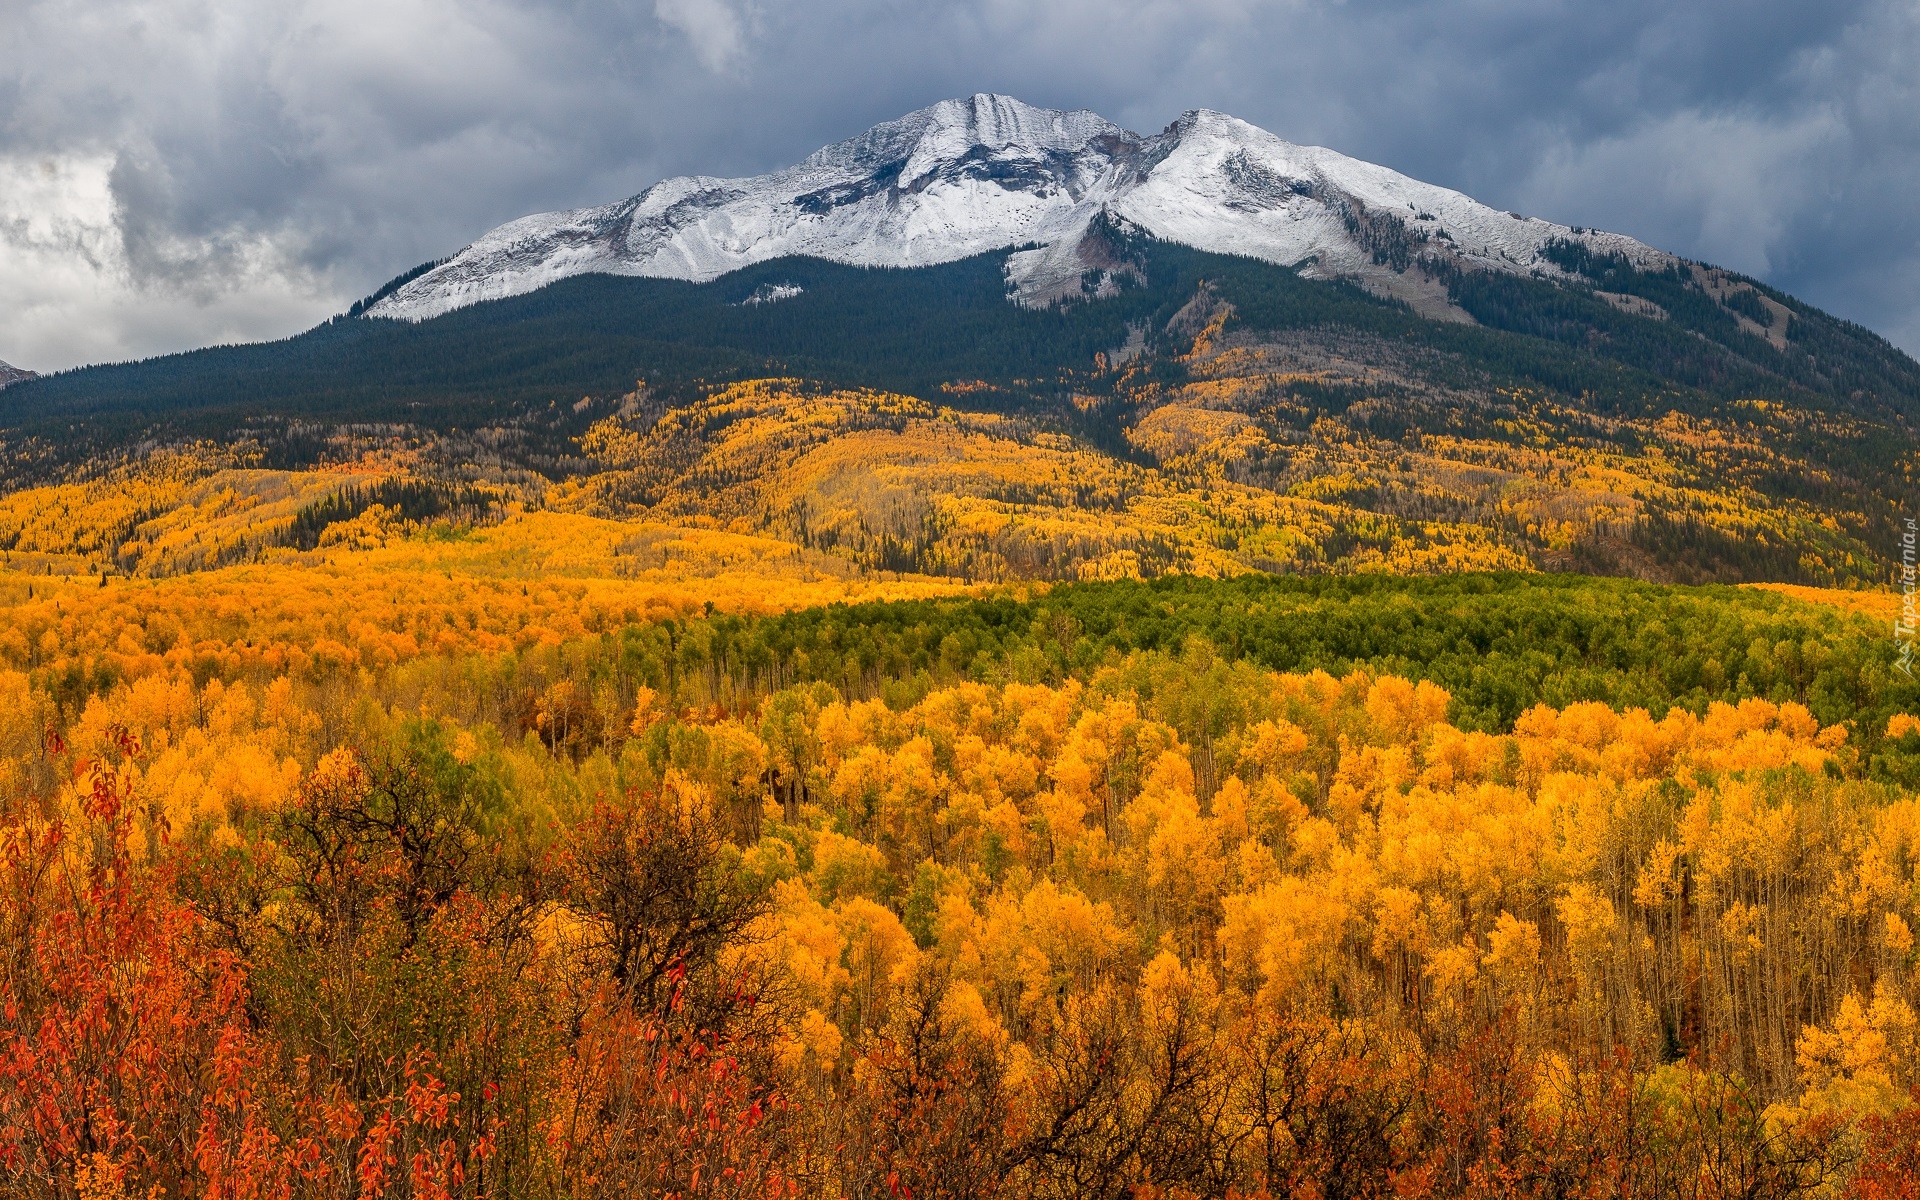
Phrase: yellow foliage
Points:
(1865, 1060)
(1606, 878)
(536, 579)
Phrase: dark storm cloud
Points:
(179, 171)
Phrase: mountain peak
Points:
(11, 375)
(992, 120)
(1204, 118)
(989, 173)
(984, 125)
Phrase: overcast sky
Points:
(180, 172)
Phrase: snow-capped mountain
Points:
(14, 375)
(966, 177)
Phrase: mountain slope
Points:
(11, 375)
(1606, 409)
(965, 177)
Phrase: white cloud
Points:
(715, 29)
(73, 295)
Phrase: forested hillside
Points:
(915, 329)
(1216, 414)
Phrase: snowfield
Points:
(987, 173)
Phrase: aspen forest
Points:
(1107, 890)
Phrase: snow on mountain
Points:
(988, 173)
(9, 375)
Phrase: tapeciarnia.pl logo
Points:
(1909, 623)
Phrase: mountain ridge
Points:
(990, 173)
(1563, 400)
